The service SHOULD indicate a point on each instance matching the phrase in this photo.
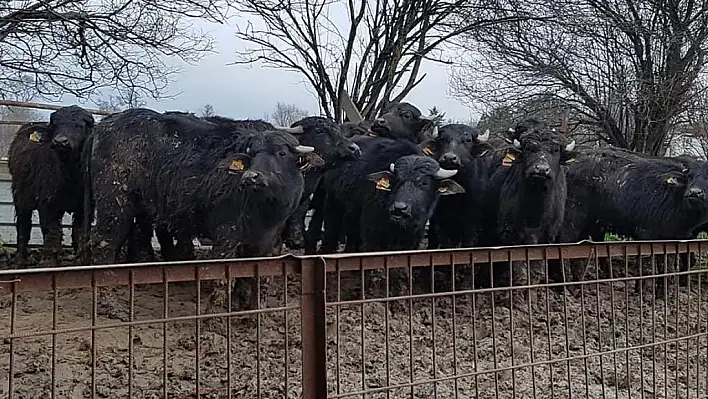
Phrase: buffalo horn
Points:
(570, 146)
(392, 167)
(484, 137)
(435, 132)
(304, 149)
(291, 130)
(517, 144)
(445, 173)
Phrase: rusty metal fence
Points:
(395, 325)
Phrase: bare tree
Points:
(627, 69)
(375, 55)
(207, 111)
(121, 101)
(287, 114)
(53, 47)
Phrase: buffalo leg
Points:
(112, 231)
(140, 241)
(23, 226)
(295, 226)
(334, 216)
(50, 223)
(313, 233)
(78, 235)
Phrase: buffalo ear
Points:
(450, 187)
(482, 149)
(382, 180)
(309, 160)
(236, 164)
(568, 157)
(428, 147)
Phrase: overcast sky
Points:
(239, 91)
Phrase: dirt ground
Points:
(449, 337)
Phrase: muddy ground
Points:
(574, 325)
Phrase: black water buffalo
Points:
(457, 221)
(527, 193)
(343, 195)
(194, 177)
(397, 121)
(45, 163)
(636, 195)
(326, 138)
(396, 203)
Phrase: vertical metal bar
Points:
(454, 326)
(666, 323)
(386, 326)
(55, 310)
(229, 304)
(257, 273)
(626, 320)
(363, 328)
(688, 318)
(197, 332)
(531, 341)
(641, 315)
(599, 320)
(474, 329)
(338, 320)
(13, 315)
(410, 325)
(130, 333)
(653, 316)
(678, 311)
(287, 331)
(313, 327)
(511, 320)
(94, 315)
(165, 315)
(494, 332)
(548, 324)
(432, 316)
(585, 338)
(565, 326)
(699, 301)
(614, 320)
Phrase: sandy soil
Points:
(591, 319)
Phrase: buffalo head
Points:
(70, 125)
(402, 120)
(414, 183)
(325, 137)
(456, 144)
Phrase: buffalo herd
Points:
(398, 182)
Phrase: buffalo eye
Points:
(283, 153)
(423, 183)
(407, 115)
(468, 139)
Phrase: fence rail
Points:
(400, 324)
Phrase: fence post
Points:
(313, 328)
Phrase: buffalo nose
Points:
(250, 177)
(380, 122)
(695, 192)
(400, 209)
(60, 141)
(354, 149)
(541, 170)
(450, 159)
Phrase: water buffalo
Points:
(45, 163)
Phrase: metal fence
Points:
(394, 325)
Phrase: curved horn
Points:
(435, 132)
(445, 173)
(570, 146)
(303, 149)
(392, 167)
(292, 130)
(427, 118)
(511, 130)
(518, 145)
(484, 137)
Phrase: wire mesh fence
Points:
(626, 322)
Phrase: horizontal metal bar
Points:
(27, 104)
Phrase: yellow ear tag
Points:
(571, 160)
(508, 159)
(371, 134)
(383, 184)
(237, 164)
(442, 189)
(671, 180)
(428, 151)
(34, 137)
